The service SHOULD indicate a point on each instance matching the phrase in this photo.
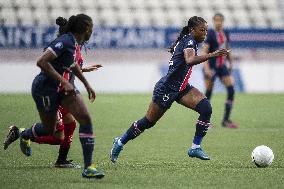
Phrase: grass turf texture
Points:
(158, 158)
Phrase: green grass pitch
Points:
(158, 158)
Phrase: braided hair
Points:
(192, 22)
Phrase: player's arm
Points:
(91, 68)
(45, 66)
(229, 58)
(191, 59)
(204, 50)
(78, 73)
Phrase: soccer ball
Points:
(262, 156)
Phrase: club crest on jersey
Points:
(59, 45)
(190, 42)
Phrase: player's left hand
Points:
(91, 68)
(91, 94)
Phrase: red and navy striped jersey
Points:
(179, 72)
(217, 40)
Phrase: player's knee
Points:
(85, 119)
(231, 92)
(204, 107)
(58, 140)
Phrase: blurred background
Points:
(131, 38)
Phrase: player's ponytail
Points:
(192, 22)
(184, 31)
(62, 23)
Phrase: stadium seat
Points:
(87, 4)
(238, 13)
(9, 16)
(41, 17)
(22, 3)
(39, 4)
(26, 17)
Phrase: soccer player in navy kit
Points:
(55, 60)
(174, 87)
(218, 38)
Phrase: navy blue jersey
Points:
(179, 72)
(63, 48)
(217, 40)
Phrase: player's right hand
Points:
(221, 52)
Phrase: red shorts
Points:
(61, 113)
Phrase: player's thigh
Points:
(227, 80)
(154, 112)
(76, 106)
(68, 118)
(191, 98)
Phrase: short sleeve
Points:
(189, 44)
(58, 46)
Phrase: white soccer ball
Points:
(262, 156)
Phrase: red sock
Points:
(68, 133)
(65, 145)
(48, 140)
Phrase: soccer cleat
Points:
(198, 153)
(66, 164)
(115, 151)
(25, 145)
(229, 124)
(92, 172)
(12, 136)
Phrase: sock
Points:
(229, 103)
(66, 143)
(136, 129)
(208, 94)
(37, 130)
(205, 110)
(62, 154)
(87, 140)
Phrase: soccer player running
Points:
(55, 60)
(174, 87)
(218, 38)
(64, 130)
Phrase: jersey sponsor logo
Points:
(59, 45)
(166, 97)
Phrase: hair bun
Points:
(60, 21)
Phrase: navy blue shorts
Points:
(46, 98)
(164, 96)
(219, 72)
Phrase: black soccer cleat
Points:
(13, 135)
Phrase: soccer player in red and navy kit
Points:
(218, 38)
(66, 125)
(174, 87)
(55, 60)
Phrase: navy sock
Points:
(229, 103)
(87, 141)
(136, 129)
(205, 110)
(36, 130)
